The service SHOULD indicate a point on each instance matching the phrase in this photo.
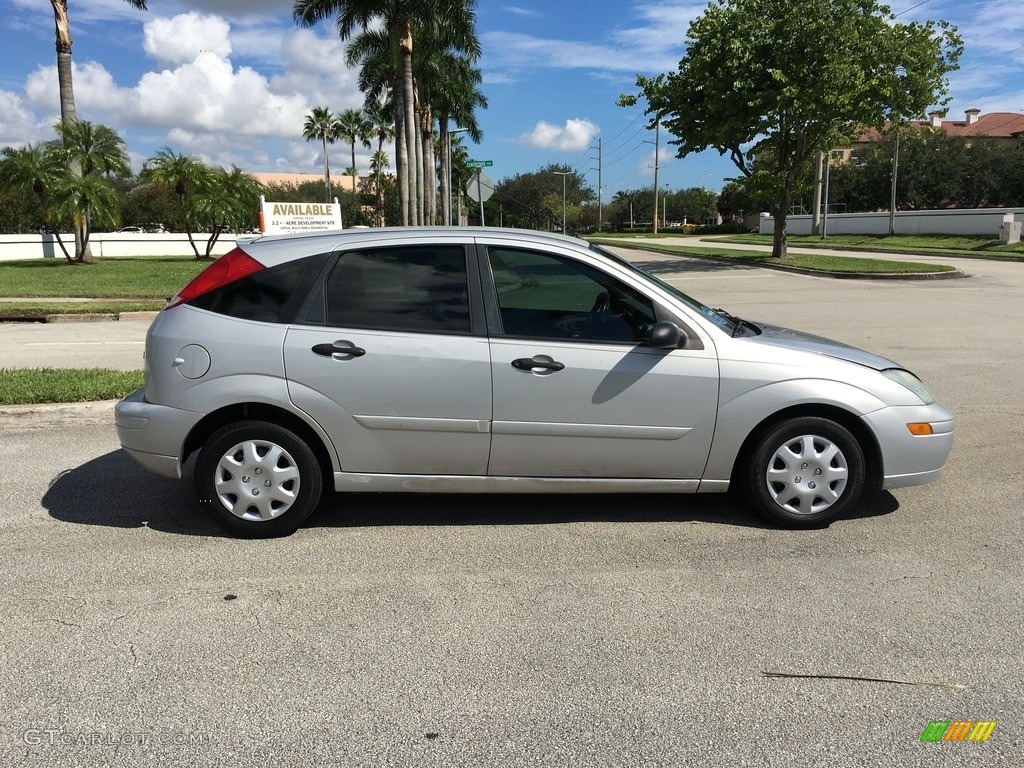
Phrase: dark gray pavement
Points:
(538, 631)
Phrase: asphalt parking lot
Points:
(550, 631)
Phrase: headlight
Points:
(911, 382)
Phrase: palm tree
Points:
(63, 33)
(399, 18)
(88, 200)
(322, 124)
(68, 113)
(354, 127)
(89, 151)
(228, 202)
(455, 97)
(36, 171)
(378, 163)
(185, 175)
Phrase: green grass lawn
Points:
(138, 278)
(952, 245)
(820, 262)
(65, 385)
(14, 309)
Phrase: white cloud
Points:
(18, 125)
(183, 38)
(573, 136)
(95, 90)
(518, 11)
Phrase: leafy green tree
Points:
(534, 200)
(773, 83)
(185, 176)
(735, 199)
(323, 125)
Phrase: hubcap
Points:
(807, 474)
(257, 480)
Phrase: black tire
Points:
(241, 485)
(804, 472)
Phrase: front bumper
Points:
(151, 434)
(909, 459)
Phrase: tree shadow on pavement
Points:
(112, 490)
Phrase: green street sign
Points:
(479, 163)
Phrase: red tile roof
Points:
(1002, 125)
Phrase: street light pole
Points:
(563, 174)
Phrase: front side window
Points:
(414, 288)
(541, 295)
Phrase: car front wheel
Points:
(805, 472)
(258, 479)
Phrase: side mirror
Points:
(666, 335)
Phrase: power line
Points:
(908, 10)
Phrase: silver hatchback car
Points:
(490, 360)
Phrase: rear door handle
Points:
(537, 361)
(341, 348)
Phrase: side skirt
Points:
(379, 483)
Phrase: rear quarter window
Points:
(272, 295)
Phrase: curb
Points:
(47, 415)
(82, 317)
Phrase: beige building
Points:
(340, 180)
(1008, 126)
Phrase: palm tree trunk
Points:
(446, 154)
(327, 175)
(402, 159)
(409, 99)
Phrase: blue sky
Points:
(231, 80)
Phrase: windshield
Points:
(726, 322)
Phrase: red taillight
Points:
(234, 265)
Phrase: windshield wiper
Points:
(737, 322)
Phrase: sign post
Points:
(483, 186)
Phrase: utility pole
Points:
(816, 216)
(563, 174)
(657, 132)
(892, 199)
(600, 214)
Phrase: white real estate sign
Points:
(298, 218)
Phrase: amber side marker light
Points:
(920, 428)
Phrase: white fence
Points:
(111, 244)
(975, 221)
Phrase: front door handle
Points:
(537, 361)
(346, 348)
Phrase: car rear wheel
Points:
(804, 472)
(258, 479)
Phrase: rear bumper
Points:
(153, 435)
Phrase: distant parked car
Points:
(490, 360)
(131, 229)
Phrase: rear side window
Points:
(416, 288)
(272, 295)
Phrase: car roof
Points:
(276, 249)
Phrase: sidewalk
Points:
(117, 344)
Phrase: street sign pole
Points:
(480, 195)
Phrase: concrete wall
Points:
(975, 221)
(110, 244)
